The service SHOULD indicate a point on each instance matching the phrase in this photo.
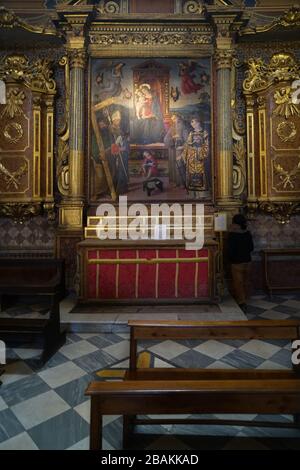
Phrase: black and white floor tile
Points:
(46, 408)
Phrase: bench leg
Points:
(53, 337)
(3, 304)
(128, 428)
(95, 427)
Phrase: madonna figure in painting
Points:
(149, 124)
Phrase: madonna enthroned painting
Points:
(150, 123)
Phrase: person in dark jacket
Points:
(240, 246)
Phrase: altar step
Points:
(113, 318)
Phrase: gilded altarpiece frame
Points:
(157, 46)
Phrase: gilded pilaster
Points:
(250, 148)
(71, 208)
(49, 147)
(223, 59)
(224, 54)
(262, 146)
(36, 145)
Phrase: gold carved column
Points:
(223, 59)
(71, 211)
(72, 205)
(224, 54)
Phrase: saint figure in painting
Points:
(149, 124)
(194, 156)
(174, 140)
(119, 153)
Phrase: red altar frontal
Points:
(144, 271)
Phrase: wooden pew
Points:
(186, 390)
(132, 397)
(180, 330)
(33, 277)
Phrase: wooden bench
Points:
(33, 277)
(273, 254)
(180, 391)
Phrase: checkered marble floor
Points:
(46, 408)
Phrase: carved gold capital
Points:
(224, 58)
(77, 58)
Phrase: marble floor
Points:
(45, 408)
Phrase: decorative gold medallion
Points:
(286, 177)
(285, 106)
(286, 131)
(15, 100)
(12, 178)
(13, 132)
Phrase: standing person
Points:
(240, 246)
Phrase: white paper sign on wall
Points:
(220, 222)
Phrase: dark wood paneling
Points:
(153, 6)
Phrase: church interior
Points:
(149, 225)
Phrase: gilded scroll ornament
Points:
(8, 19)
(35, 75)
(286, 131)
(291, 17)
(14, 103)
(282, 67)
(109, 7)
(286, 177)
(20, 211)
(13, 132)
(12, 178)
(194, 7)
(281, 211)
(62, 166)
(285, 106)
(239, 166)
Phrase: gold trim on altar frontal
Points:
(90, 232)
(146, 260)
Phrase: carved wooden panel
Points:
(273, 135)
(26, 136)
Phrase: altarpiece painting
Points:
(150, 133)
